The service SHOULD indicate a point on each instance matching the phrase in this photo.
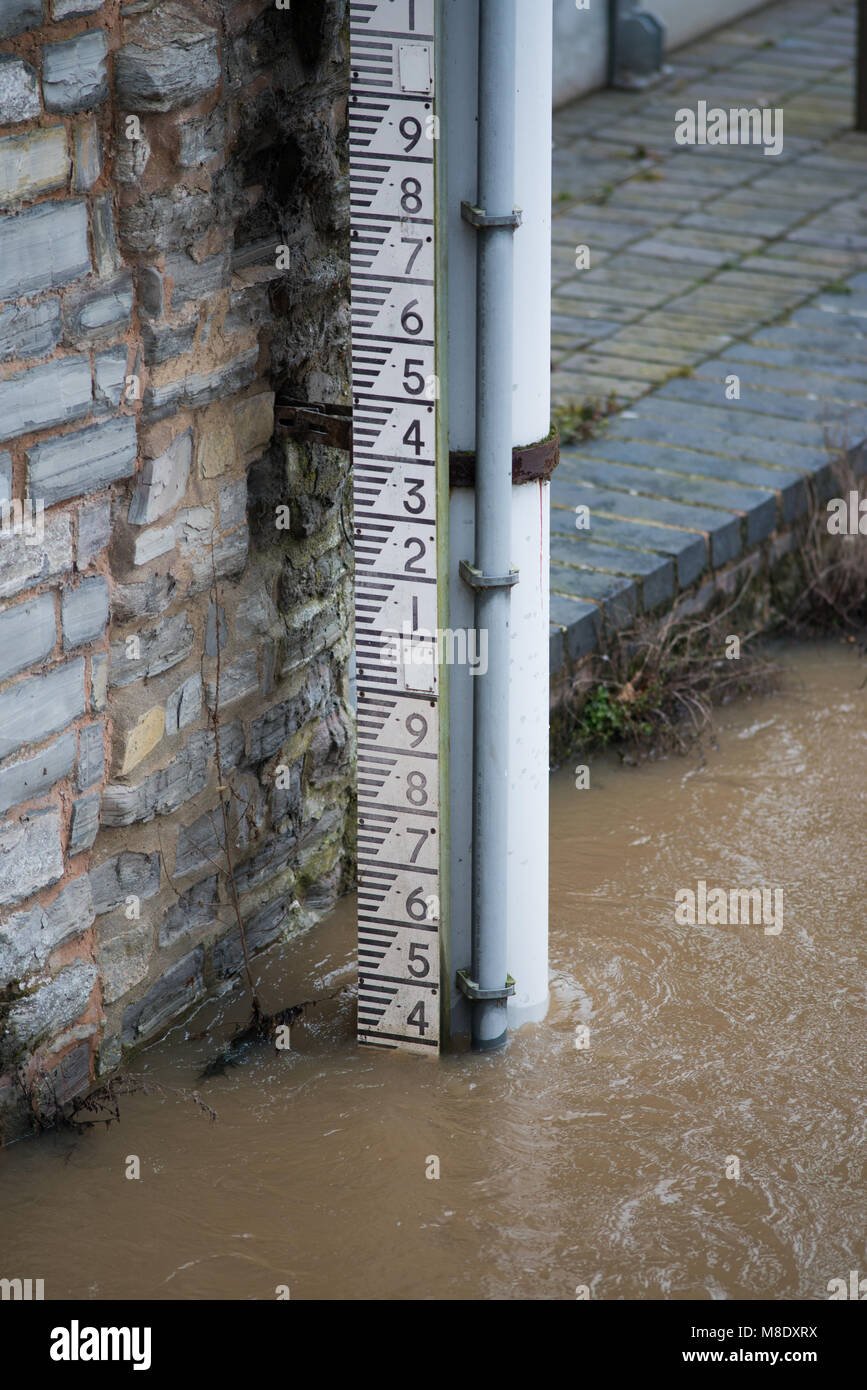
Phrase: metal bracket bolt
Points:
(473, 991)
(477, 217)
(476, 580)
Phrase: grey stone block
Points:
(26, 780)
(18, 15)
(94, 531)
(44, 396)
(256, 616)
(169, 59)
(123, 952)
(200, 845)
(91, 756)
(67, 1079)
(270, 731)
(67, 9)
(23, 564)
(100, 312)
(151, 290)
(85, 823)
(28, 632)
(285, 801)
(263, 928)
(28, 938)
(86, 155)
(270, 861)
(29, 330)
(178, 988)
(32, 163)
(160, 648)
(229, 558)
(43, 248)
(147, 600)
(160, 344)
(162, 482)
(194, 911)
(184, 705)
(248, 307)
(19, 90)
(236, 680)
(215, 630)
(329, 750)
(233, 504)
(165, 221)
(123, 876)
(322, 895)
(5, 478)
(74, 76)
(312, 633)
(54, 1006)
(194, 280)
(106, 254)
(132, 158)
(198, 388)
(42, 705)
(156, 541)
(164, 791)
(202, 138)
(109, 1055)
(84, 461)
(195, 528)
(109, 376)
(31, 855)
(99, 682)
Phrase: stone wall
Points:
(173, 204)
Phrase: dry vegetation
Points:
(655, 688)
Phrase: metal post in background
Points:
(861, 68)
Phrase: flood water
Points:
(560, 1165)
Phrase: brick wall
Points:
(172, 250)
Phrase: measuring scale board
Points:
(392, 132)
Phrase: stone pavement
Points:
(705, 262)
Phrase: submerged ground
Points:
(561, 1166)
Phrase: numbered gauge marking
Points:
(400, 130)
(394, 430)
(393, 147)
(381, 187)
(402, 373)
(395, 495)
(405, 1015)
(402, 249)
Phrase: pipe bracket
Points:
(477, 217)
(476, 580)
(472, 990)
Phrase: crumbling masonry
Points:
(173, 204)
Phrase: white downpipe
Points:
(523, 897)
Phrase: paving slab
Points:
(706, 262)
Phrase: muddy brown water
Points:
(560, 1165)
